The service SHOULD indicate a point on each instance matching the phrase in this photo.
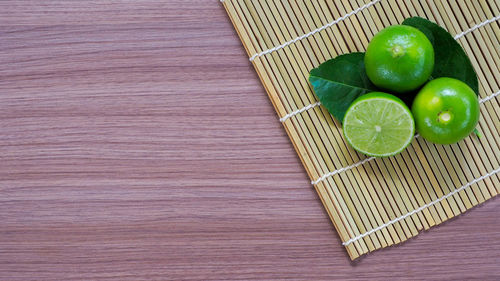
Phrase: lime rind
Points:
(379, 124)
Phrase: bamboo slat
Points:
(372, 205)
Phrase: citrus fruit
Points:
(378, 124)
(399, 58)
(446, 110)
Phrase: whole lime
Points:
(446, 110)
(399, 58)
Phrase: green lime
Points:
(378, 124)
(399, 58)
(446, 110)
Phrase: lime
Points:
(446, 110)
(399, 58)
(378, 124)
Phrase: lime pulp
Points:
(379, 124)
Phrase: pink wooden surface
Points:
(137, 143)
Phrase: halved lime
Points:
(378, 124)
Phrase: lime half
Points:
(379, 124)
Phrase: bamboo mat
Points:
(374, 203)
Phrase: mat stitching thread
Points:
(477, 26)
(458, 36)
(282, 119)
(353, 12)
(489, 97)
(421, 208)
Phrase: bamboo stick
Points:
(393, 20)
(473, 56)
(313, 120)
(409, 195)
(336, 214)
(403, 231)
(437, 159)
(361, 192)
(360, 246)
(351, 157)
(417, 193)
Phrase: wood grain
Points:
(137, 143)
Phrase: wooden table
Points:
(137, 143)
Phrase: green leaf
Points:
(450, 58)
(339, 81)
(477, 133)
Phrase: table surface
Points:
(137, 143)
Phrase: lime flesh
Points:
(379, 124)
